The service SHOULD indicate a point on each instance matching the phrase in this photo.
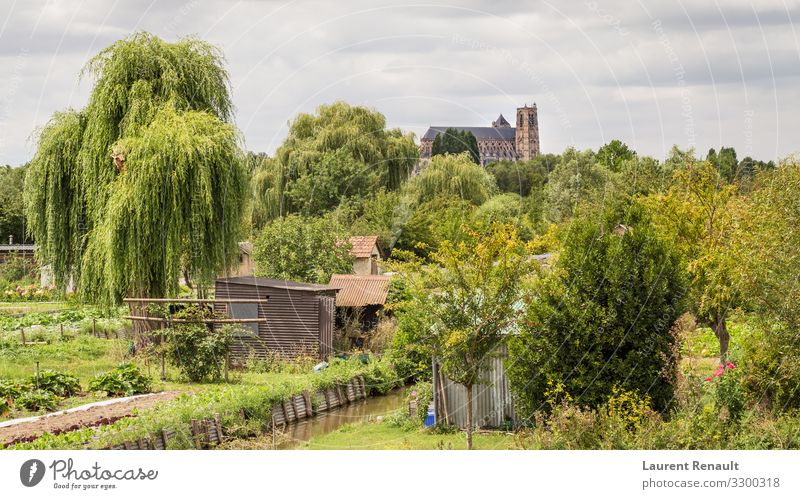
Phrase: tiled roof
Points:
(480, 132)
(363, 245)
(360, 290)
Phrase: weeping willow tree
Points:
(453, 175)
(340, 152)
(148, 182)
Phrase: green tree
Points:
(147, 182)
(575, 180)
(602, 317)
(505, 208)
(443, 218)
(469, 297)
(342, 152)
(768, 252)
(698, 214)
(523, 177)
(452, 175)
(302, 249)
(12, 212)
(455, 141)
(613, 154)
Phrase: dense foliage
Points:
(455, 141)
(603, 316)
(147, 182)
(12, 213)
(302, 249)
(124, 380)
(339, 154)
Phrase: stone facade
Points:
(498, 142)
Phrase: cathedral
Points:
(499, 141)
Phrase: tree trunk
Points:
(469, 416)
(720, 328)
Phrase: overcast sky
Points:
(653, 74)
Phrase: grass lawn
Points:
(384, 436)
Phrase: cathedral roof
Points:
(501, 122)
(480, 132)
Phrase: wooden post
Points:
(196, 434)
(62, 330)
(37, 374)
(163, 363)
(22, 333)
(227, 361)
(94, 327)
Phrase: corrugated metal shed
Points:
(300, 316)
(360, 290)
(492, 403)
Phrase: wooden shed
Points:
(299, 316)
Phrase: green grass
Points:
(385, 436)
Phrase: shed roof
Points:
(360, 290)
(363, 245)
(265, 282)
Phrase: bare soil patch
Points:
(71, 420)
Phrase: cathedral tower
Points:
(527, 132)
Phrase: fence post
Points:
(22, 333)
(94, 327)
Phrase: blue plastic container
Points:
(430, 419)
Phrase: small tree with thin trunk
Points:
(697, 213)
(469, 294)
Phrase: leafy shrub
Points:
(37, 400)
(10, 390)
(604, 314)
(196, 350)
(772, 365)
(423, 393)
(729, 395)
(58, 383)
(126, 379)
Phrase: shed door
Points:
(327, 313)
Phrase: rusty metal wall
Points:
(293, 320)
(492, 402)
